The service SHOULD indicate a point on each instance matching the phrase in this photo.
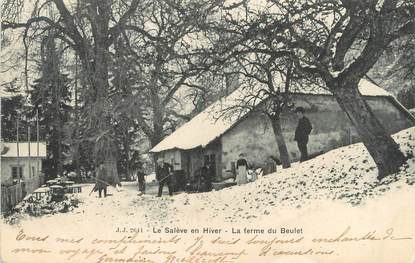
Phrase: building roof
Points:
(212, 122)
(9, 149)
(6, 94)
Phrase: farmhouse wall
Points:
(8, 162)
(254, 137)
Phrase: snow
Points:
(211, 123)
(379, 5)
(11, 148)
(204, 127)
(367, 88)
(151, 177)
(5, 94)
(333, 190)
(347, 174)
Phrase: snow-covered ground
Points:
(347, 174)
(320, 191)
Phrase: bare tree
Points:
(267, 92)
(168, 45)
(371, 26)
(319, 37)
(247, 40)
(396, 70)
(89, 28)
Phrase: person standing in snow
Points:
(141, 180)
(209, 176)
(206, 178)
(100, 180)
(163, 174)
(302, 132)
(242, 169)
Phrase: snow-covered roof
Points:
(212, 123)
(6, 94)
(9, 149)
(366, 88)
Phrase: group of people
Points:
(242, 166)
(163, 176)
(164, 170)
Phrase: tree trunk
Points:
(60, 155)
(156, 137)
(158, 122)
(379, 144)
(77, 126)
(58, 126)
(127, 144)
(279, 137)
(101, 85)
(105, 150)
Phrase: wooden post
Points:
(78, 173)
(37, 142)
(28, 144)
(18, 150)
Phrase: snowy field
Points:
(333, 190)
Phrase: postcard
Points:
(199, 131)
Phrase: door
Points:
(210, 161)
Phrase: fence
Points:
(11, 195)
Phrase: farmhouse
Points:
(211, 137)
(22, 162)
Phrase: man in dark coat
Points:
(302, 132)
(100, 180)
(141, 180)
(206, 178)
(163, 175)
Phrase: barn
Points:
(211, 137)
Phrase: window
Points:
(17, 172)
(209, 159)
(33, 171)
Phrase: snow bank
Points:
(347, 174)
